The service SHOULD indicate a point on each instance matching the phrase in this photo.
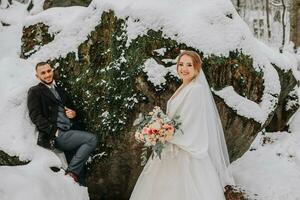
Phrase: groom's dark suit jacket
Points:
(43, 111)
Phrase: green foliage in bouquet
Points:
(154, 130)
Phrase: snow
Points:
(293, 102)
(62, 17)
(245, 107)
(37, 7)
(156, 73)
(271, 166)
(161, 51)
(14, 15)
(224, 31)
(4, 4)
(271, 171)
(34, 181)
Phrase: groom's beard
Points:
(47, 83)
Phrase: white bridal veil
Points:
(217, 147)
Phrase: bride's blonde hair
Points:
(197, 62)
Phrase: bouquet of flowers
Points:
(154, 130)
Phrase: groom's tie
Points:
(54, 92)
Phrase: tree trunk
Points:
(283, 24)
(238, 6)
(268, 19)
(295, 22)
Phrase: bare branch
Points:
(275, 3)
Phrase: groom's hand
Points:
(70, 113)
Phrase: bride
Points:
(194, 164)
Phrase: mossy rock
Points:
(235, 194)
(58, 3)
(109, 87)
(33, 38)
(284, 112)
(7, 160)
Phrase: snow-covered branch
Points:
(5, 4)
(275, 3)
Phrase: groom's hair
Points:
(41, 64)
(197, 62)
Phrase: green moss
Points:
(7, 160)
(33, 38)
(102, 77)
(235, 70)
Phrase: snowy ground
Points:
(34, 181)
(271, 169)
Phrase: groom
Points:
(55, 119)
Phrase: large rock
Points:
(58, 3)
(34, 38)
(106, 80)
(236, 71)
(7, 160)
(288, 101)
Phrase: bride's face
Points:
(186, 69)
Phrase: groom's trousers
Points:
(77, 146)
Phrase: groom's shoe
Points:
(73, 175)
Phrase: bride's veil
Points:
(217, 145)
